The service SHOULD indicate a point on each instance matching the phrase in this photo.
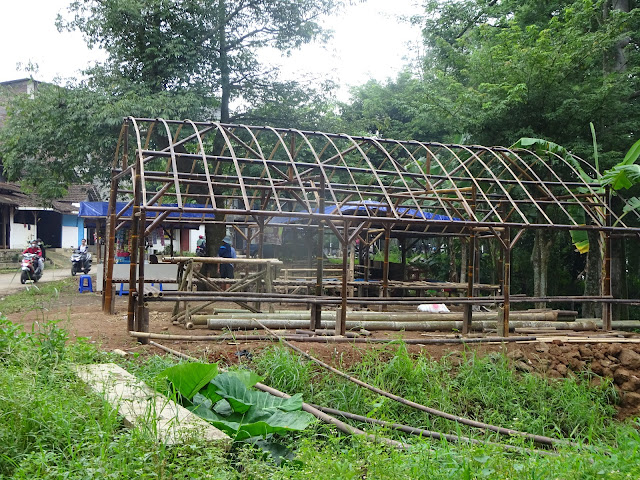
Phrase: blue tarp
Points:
(373, 208)
(94, 210)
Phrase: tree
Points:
(206, 45)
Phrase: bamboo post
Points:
(187, 315)
(606, 287)
(133, 254)
(385, 266)
(316, 309)
(506, 292)
(268, 283)
(352, 268)
(471, 257)
(107, 268)
(341, 321)
(143, 312)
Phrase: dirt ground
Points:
(81, 315)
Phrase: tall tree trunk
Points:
(225, 71)
(540, 256)
(593, 275)
(453, 273)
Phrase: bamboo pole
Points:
(435, 326)
(329, 339)
(343, 427)
(464, 421)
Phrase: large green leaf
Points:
(256, 422)
(190, 378)
(231, 387)
(632, 155)
(622, 176)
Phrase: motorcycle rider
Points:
(83, 246)
(34, 248)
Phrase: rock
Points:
(554, 350)
(585, 351)
(562, 369)
(516, 355)
(612, 358)
(629, 359)
(576, 364)
(621, 376)
(605, 362)
(557, 342)
(628, 386)
(598, 355)
(630, 399)
(542, 347)
(614, 349)
(595, 382)
(553, 373)
(607, 372)
(523, 367)
(596, 367)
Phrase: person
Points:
(83, 246)
(41, 245)
(201, 247)
(226, 251)
(35, 249)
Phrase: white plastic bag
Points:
(433, 308)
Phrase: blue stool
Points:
(85, 284)
(122, 290)
(153, 285)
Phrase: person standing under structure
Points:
(226, 251)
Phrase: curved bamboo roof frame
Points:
(257, 175)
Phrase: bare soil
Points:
(81, 315)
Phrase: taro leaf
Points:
(189, 378)
(241, 399)
(277, 451)
(256, 422)
(247, 377)
(223, 408)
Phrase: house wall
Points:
(21, 234)
(72, 230)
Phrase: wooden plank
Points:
(147, 409)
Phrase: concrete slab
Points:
(145, 408)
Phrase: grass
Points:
(52, 428)
(36, 296)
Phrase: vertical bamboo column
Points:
(268, 282)
(403, 253)
(352, 269)
(316, 309)
(132, 322)
(385, 265)
(143, 311)
(606, 286)
(107, 267)
(506, 291)
(341, 321)
(189, 288)
(471, 259)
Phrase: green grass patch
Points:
(36, 296)
(52, 427)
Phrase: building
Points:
(24, 216)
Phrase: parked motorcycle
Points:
(31, 268)
(80, 262)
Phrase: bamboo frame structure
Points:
(252, 177)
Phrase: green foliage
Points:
(226, 401)
(36, 296)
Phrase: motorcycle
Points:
(31, 268)
(80, 262)
(201, 250)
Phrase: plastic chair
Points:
(160, 285)
(122, 290)
(85, 284)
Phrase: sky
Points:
(369, 42)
